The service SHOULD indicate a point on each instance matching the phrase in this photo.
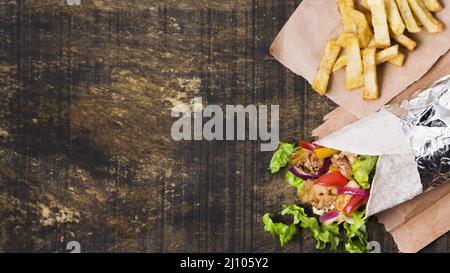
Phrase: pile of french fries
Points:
(369, 39)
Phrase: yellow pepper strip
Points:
(333, 168)
(323, 153)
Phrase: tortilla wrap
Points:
(396, 178)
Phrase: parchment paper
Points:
(301, 44)
(418, 222)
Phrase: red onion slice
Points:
(325, 167)
(297, 173)
(329, 216)
(323, 170)
(353, 191)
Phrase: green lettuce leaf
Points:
(356, 234)
(281, 156)
(284, 232)
(294, 181)
(327, 234)
(362, 168)
(323, 234)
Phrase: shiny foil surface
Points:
(426, 118)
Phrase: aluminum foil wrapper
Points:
(426, 124)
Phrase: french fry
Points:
(347, 4)
(433, 5)
(320, 83)
(408, 17)
(349, 25)
(364, 4)
(366, 40)
(368, 18)
(364, 32)
(398, 60)
(387, 54)
(419, 23)
(379, 21)
(354, 68)
(394, 17)
(372, 43)
(393, 14)
(425, 17)
(383, 56)
(370, 91)
(342, 37)
(405, 41)
(340, 63)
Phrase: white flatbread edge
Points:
(396, 180)
(380, 133)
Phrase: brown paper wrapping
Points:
(418, 222)
(301, 43)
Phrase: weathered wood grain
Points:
(86, 151)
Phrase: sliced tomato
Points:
(333, 179)
(354, 204)
(308, 145)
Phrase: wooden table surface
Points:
(86, 153)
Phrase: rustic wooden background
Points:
(85, 146)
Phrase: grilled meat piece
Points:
(319, 196)
(306, 161)
(343, 162)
